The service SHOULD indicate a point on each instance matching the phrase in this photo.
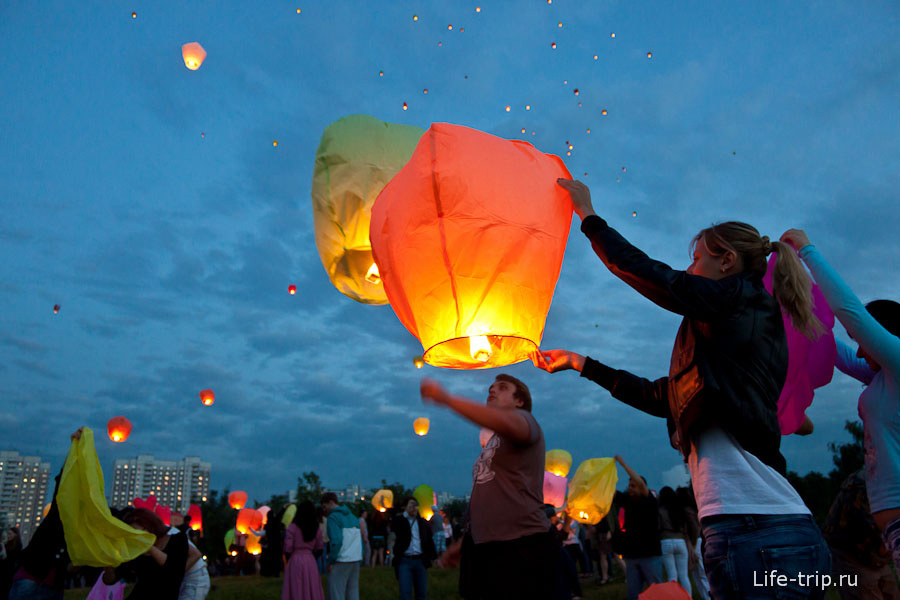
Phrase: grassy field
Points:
(377, 584)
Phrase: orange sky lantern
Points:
(196, 516)
(558, 462)
(419, 362)
(383, 500)
(55, 308)
(421, 425)
(118, 429)
(471, 227)
(237, 499)
(292, 289)
(254, 546)
(247, 519)
(207, 397)
(357, 156)
(193, 55)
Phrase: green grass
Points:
(378, 584)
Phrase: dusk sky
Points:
(151, 204)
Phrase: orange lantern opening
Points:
(118, 429)
(237, 499)
(247, 519)
(193, 55)
(207, 397)
(421, 425)
(469, 239)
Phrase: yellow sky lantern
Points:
(591, 491)
(424, 495)
(383, 500)
(421, 425)
(558, 462)
(118, 429)
(357, 156)
(288, 515)
(469, 239)
(193, 55)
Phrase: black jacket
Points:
(730, 357)
(400, 526)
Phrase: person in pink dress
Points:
(302, 544)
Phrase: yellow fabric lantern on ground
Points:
(424, 495)
(469, 239)
(356, 158)
(383, 500)
(592, 489)
(421, 425)
(558, 462)
(193, 55)
(94, 537)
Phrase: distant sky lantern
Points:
(554, 489)
(634, 213)
(55, 308)
(298, 11)
(508, 108)
(356, 158)
(134, 15)
(591, 491)
(421, 425)
(424, 495)
(383, 500)
(275, 143)
(415, 17)
(254, 546)
(603, 112)
(292, 289)
(237, 499)
(576, 91)
(472, 226)
(118, 429)
(419, 362)
(649, 54)
(477, 9)
(596, 57)
(247, 519)
(558, 462)
(207, 397)
(405, 106)
(612, 35)
(196, 516)
(193, 55)
(553, 45)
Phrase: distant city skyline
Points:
(24, 486)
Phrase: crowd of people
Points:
(739, 519)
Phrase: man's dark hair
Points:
(328, 497)
(887, 313)
(148, 520)
(521, 392)
(405, 501)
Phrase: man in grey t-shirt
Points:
(512, 553)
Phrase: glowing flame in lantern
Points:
(421, 425)
(372, 275)
(419, 361)
(207, 397)
(292, 289)
(480, 348)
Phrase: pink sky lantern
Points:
(149, 503)
(164, 513)
(469, 240)
(810, 362)
(264, 511)
(554, 489)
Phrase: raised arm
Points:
(848, 363)
(642, 488)
(504, 422)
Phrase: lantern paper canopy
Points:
(356, 158)
(264, 511)
(383, 500)
(193, 55)
(469, 239)
(164, 513)
(196, 516)
(118, 429)
(558, 462)
(810, 362)
(554, 489)
(592, 489)
(237, 499)
(292, 289)
(424, 495)
(288, 515)
(253, 544)
(207, 397)
(421, 425)
(247, 519)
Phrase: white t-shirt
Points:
(729, 480)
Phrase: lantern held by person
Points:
(207, 397)
(424, 495)
(554, 489)
(247, 519)
(421, 425)
(193, 55)
(237, 499)
(196, 516)
(469, 239)
(254, 546)
(356, 158)
(383, 500)
(264, 511)
(288, 515)
(558, 462)
(118, 429)
(592, 489)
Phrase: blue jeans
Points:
(642, 570)
(411, 574)
(765, 556)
